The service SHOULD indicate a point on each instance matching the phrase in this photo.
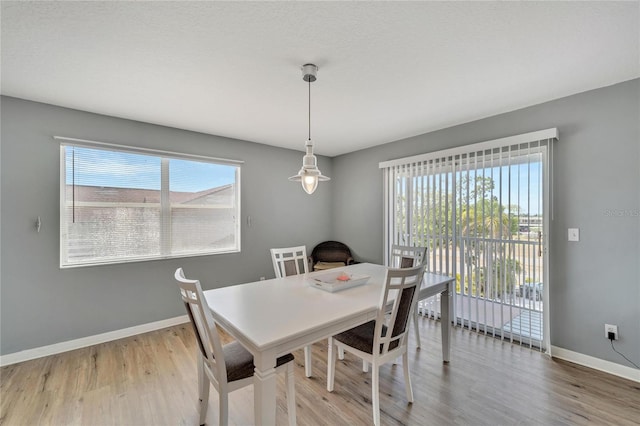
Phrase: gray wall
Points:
(42, 304)
(596, 189)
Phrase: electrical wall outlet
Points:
(609, 328)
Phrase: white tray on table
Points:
(329, 281)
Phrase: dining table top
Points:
(269, 312)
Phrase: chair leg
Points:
(407, 377)
(203, 390)
(331, 364)
(307, 361)
(375, 393)
(291, 394)
(415, 326)
(223, 396)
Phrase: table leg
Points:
(445, 322)
(264, 383)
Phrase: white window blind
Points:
(481, 210)
(122, 204)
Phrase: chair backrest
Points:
(405, 283)
(290, 261)
(331, 251)
(203, 324)
(407, 256)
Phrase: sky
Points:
(106, 168)
(525, 186)
(523, 190)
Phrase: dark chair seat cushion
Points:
(239, 361)
(361, 337)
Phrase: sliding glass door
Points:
(482, 211)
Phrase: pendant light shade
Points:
(309, 175)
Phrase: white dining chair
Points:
(384, 339)
(290, 261)
(293, 261)
(229, 367)
(408, 257)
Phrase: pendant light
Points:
(309, 174)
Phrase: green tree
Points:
(486, 227)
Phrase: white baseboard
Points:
(83, 342)
(596, 363)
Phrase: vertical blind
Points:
(481, 211)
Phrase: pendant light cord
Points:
(309, 108)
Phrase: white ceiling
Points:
(388, 70)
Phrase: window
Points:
(121, 204)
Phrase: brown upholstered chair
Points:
(330, 254)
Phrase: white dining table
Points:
(277, 316)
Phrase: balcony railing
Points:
(499, 285)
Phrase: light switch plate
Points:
(574, 234)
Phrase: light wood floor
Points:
(150, 379)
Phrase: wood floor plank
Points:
(150, 379)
